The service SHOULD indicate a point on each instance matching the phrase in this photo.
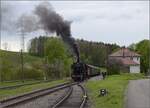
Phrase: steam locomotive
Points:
(82, 71)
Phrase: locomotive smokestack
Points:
(53, 22)
(77, 52)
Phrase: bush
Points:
(29, 72)
(114, 66)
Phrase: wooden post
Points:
(22, 67)
(46, 68)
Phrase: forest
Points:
(51, 58)
(90, 52)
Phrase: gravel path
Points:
(43, 102)
(138, 94)
(96, 78)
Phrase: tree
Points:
(36, 46)
(95, 53)
(132, 46)
(143, 48)
(58, 60)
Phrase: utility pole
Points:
(22, 67)
(22, 38)
(107, 54)
(1, 67)
(46, 68)
(148, 70)
(0, 41)
(0, 26)
(22, 49)
(0, 61)
(22, 58)
(46, 64)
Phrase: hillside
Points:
(11, 66)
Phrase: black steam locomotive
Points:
(82, 71)
(79, 71)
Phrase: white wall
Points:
(135, 69)
(136, 59)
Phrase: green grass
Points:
(11, 66)
(14, 57)
(116, 85)
(24, 89)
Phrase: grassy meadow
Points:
(116, 86)
(10, 66)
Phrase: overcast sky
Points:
(117, 22)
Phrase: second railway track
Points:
(32, 95)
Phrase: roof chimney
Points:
(123, 51)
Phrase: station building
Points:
(129, 59)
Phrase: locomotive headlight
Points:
(102, 92)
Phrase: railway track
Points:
(32, 95)
(24, 84)
(75, 98)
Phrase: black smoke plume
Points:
(53, 22)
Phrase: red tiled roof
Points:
(127, 61)
(124, 52)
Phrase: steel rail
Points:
(84, 99)
(19, 85)
(24, 84)
(64, 98)
(32, 95)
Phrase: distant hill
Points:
(10, 66)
